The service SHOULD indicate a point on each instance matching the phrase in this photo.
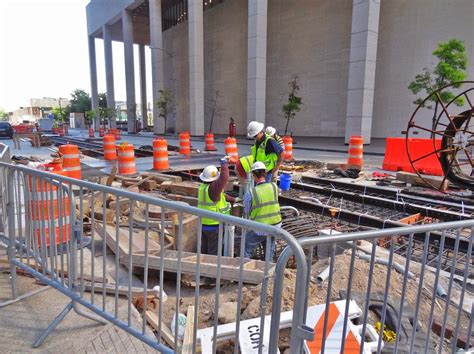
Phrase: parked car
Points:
(6, 129)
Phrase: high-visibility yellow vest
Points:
(206, 203)
(265, 206)
(247, 162)
(260, 155)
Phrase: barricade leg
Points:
(53, 325)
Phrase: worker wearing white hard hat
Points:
(266, 150)
(261, 204)
(211, 197)
(273, 133)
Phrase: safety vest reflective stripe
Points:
(265, 206)
(206, 203)
(71, 156)
(259, 154)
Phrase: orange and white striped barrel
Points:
(48, 211)
(101, 132)
(160, 155)
(71, 161)
(288, 141)
(209, 139)
(91, 133)
(110, 151)
(117, 134)
(356, 152)
(126, 159)
(184, 143)
(231, 150)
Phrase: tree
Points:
(60, 114)
(293, 105)
(3, 115)
(80, 101)
(451, 68)
(165, 105)
(215, 109)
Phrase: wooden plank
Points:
(188, 332)
(414, 179)
(161, 177)
(111, 177)
(110, 289)
(252, 274)
(185, 188)
(166, 334)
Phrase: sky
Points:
(44, 52)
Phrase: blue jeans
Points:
(252, 240)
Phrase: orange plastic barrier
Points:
(230, 145)
(210, 142)
(356, 152)
(47, 209)
(71, 161)
(160, 155)
(91, 133)
(101, 132)
(288, 141)
(110, 152)
(126, 159)
(184, 143)
(396, 156)
(117, 134)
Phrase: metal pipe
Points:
(288, 207)
(441, 292)
(401, 269)
(323, 275)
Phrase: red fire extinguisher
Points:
(231, 127)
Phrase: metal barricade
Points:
(421, 295)
(46, 234)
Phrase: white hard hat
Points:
(259, 165)
(209, 174)
(270, 131)
(254, 128)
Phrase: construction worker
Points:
(261, 204)
(265, 150)
(272, 133)
(211, 197)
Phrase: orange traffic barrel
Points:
(117, 134)
(49, 211)
(184, 143)
(356, 151)
(209, 139)
(110, 152)
(288, 142)
(230, 145)
(71, 161)
(160, 154)
(126, 159)
(91, 132)
(101, 132)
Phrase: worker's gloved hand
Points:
(223, 160)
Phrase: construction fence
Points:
(346, 293)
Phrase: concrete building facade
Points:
(353, 58)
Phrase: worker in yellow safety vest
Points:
(261, 204)
(211, 197)
(266, 149)
(270, 131)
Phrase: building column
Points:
(256, 60)
(196, 67)
(109, 74)
(127, 29)
(363, 56)
(93, 76)
(156, 47)
(143, 101)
